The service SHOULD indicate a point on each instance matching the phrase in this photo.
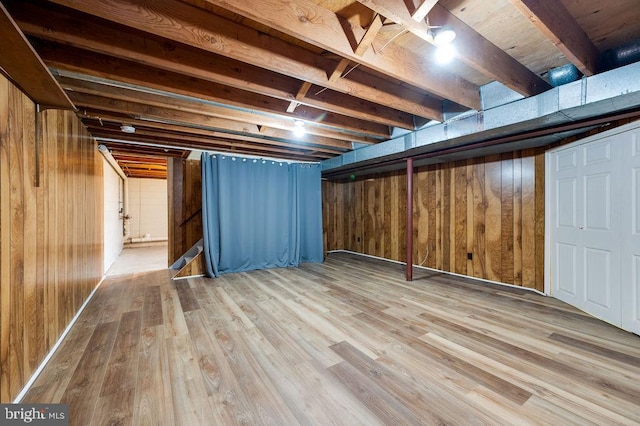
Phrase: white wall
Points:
(113, 202)
(148, 209)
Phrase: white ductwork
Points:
(600, 95)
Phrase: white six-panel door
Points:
(594, 226)
(630, 239)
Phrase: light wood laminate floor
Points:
(347, 342)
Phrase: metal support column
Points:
(409, 219)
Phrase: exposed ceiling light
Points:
(443, 36)
(298, 128)
(127, 128)
(440, 35)
(445, 53)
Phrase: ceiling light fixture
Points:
(298, 128)
(440, 35)
(127, 128)
(445, 53)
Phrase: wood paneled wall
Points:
(51, 230)
(490, 207)
(184, 186)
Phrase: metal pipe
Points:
(409, 219)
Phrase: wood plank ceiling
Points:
(240, 76)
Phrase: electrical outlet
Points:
(469, 256)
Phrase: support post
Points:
(409, 219)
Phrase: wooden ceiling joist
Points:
(186, 140)
(554, 21)
(321, 27)
(472, 49)
(24, 67)
(196, 27)
(143, 76)
(101, 119)
(168, 115)
(197, 106)
(93, 34)
(138, 141)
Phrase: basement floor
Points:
(346, 342)
(140, 258)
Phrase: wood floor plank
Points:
(185, 294)
(633, 361)
(153, 404)
(375, 398)
(228, 403)
(152, 308)
(121, 374)
(346, 342)
(86, 381)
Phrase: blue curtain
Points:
(259, 214)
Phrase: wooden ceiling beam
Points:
(89, 33)
(472, 49)
(173, 116)
(557, 24)
(250, 107)
(24, 67)
(118, 148)
(168, 137)
(134, 141)
(140, 159)
(246, 116)
(96, 118)
(196, 27)
(319, 26)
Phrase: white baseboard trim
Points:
(440, 271)
(46, 359)
(190, 276)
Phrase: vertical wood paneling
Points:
(432, 206)
(479, 202)
(459, 189)
(184, 195)
(16, 182)
(446, 218)
(5, 241)
(30, 215)
(528, 217)
(469, 219)
(439, 218)
(517, 218)
(506, 233)
(539, 222)
(399, 215)
(421, 214)
(50, 231)
(488, 206)
(388, 187)
(493, 219)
